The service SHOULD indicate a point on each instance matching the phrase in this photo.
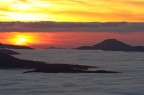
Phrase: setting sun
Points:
(21, 41)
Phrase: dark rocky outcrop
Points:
(68, 70)
(9, 52)
(112, 45)
(7, 61)
(14, 46)
(52, 47)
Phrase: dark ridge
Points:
(139, 48)
(7, 61)
(52, 47)
(112, 45)
(70, 71)
(14, 46)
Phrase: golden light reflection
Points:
(21, 6)
(26, 17)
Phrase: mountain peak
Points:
(112, 41)
(112, 44)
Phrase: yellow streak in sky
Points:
(72, 10)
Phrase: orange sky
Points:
(72, 10)
(70, 39)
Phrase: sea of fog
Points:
(129, 82)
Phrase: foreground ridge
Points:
(8, 46)
(7, 61)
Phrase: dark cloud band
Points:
(71, 26)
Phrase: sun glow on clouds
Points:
(20, 38)
(72, 10)
(35, 39)
(27, 17)
(67, 39)
(21, 6)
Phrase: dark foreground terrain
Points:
(8, 61)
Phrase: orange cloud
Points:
(73, 10)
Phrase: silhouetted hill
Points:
(7, 61)
(14, 46)
(112, 45)
(139, 48)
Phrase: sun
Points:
(22, 38)
(21, 41)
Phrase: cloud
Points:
(23, 0)
(73, 10)
(120, 27)
(136, 3)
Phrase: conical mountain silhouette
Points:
(112, 45)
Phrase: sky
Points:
(69, 39)
(72, 10)
(70, 23)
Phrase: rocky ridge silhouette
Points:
(8, 46)
(7, 61)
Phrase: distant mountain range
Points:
(112, 45)
(14, 46)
